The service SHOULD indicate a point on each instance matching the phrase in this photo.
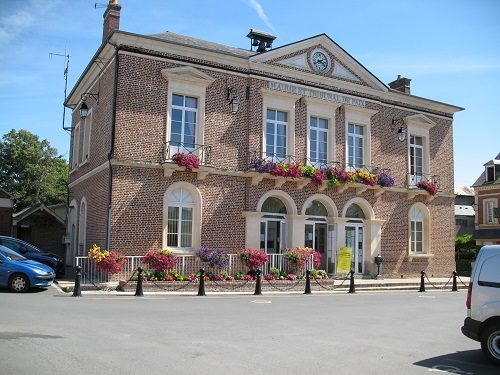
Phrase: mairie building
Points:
(292, 145)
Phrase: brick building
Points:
(6, 203)
(487, 201)
(309, 102)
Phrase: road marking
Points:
(261, 301)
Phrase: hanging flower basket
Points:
(430, 187)
(188, 161)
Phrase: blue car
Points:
(20, 274)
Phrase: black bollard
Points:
(138, 289)
(258, 287)
(352, 288)
(454, 287)
(77, 290)
(201, 287)
(422, 282)
(308, 282)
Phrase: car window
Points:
(11, 255)
(12, 245)
(489, 275)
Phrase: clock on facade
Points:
(320, 62)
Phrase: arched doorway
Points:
(273, 226)
(354, 236)
(316, 230)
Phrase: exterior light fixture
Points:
(402, 130)
(234, 100)
(84, 108)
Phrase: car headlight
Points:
(41, 272)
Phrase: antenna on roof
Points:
(66, 70)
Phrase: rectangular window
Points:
(76, 146)
(416, 236)
(87, 129)
(489, 211)
(276, 130)
(183, 123)
(318, 140)
(416, 159)
(179, 226)
(355, 138)
(490, 174)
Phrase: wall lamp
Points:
(84, 109)
(234, 100)
(402, 130)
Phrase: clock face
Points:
(320, 61)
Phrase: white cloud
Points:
(262, 15)
(22, 18)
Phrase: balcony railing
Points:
(322, 164)
(415, 178)
(202, 152)
(276, 158)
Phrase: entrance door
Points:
(272, 236)
(316, 238)
(354, 240)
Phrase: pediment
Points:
(420, 121)
(300, 56)
(187, 73)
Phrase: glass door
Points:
(316, 238)
(272, 234)
(354, 240)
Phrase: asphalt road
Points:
(48, 332)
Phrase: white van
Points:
(483, 303)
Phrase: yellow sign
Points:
(344, 260)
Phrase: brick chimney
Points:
(401, 84)
(111, 19)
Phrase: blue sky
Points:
(449, 48)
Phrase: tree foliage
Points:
(31, 171)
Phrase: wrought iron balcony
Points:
(202, 152)
(322, 164)
(415, 178)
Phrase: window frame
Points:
(195, 221)
(419, 126)
(75, 147)
(283, 102)
(361, 117)
(489, 206)
(324, 110)
(86, 135)
(426, 226)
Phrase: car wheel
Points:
(19, 283)
(490, 343)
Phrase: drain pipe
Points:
(112, 147)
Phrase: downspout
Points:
(112, 148)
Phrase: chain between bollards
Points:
(454, 287)
(352, 288)
(308, 282)
(77, 290)
(422, 281)
(138, 288)
(258, 287)
(201, 287)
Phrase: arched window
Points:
(180, 218)
(354, 211)
(417, 231)
(82, 228)
(316, 208)
(274, 205)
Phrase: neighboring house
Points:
(42, 226)
(464, 210)
(487, 200)
(6, 204)
(145, 98)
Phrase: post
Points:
(258, 287)
(77, 290)
(201, 287)
(138, 289)
(422, 282)
(454, 287)
(352, 288)
(308, 282)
